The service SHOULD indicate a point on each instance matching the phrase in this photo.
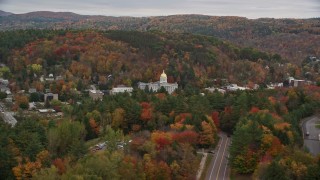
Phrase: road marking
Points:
(216, 156)
(225, 169)
(224, 150)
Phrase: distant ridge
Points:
(50, 14)
(293, 39)
(4, 13)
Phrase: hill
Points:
(132, 56)
(293, 39)
(3, 13)
(145, 135)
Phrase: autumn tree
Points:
(118, 118)
(30, 138)
(94, 126)
(7, 155)
(47, 173)
(161, 139)
(5, 72)
(146, 113)
(27, 169)
(22, 101)
(215, 118)
(65, 137)
(275, 171)
(245, 145)
(187, 136)
(208, 133)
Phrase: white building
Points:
(213, 89)
(96, 94)
(291, 80)
(32, 90)
(235, 87)
(49, 78)
(155, 86)
(121, 89)
(4, 82)
(46, 110)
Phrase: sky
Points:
(246, 8)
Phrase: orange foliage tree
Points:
(215, 118)
(146, 113)
(94, 126)
(187, 136)
(207, 135)
(162, 139)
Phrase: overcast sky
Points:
(246, 8)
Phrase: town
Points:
(48, 103)
(168, 97)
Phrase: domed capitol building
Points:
(155, 86)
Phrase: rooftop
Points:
(96, 91)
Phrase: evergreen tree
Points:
(275, 171)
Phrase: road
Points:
(7, 116)
(218, 169)
(312, 141)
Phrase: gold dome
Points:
(163, 75)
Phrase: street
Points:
(311, 141)
(7, 116)
(218, 169)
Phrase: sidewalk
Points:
(202, 163)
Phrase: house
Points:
(42, 78)
(235, 87)
(32, 90)
(21, 92)
(291, 81)
(8, 100)
(46, 110)
(212, 89)
(298, 83)
(4, 82)
(50, 96)
(279, 84)
(9, 94)
(4, 88)
(59, 78)
(96, 94)
(50, 78)
(120, 89)
(32, 106)
(275, 85)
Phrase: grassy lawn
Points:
(318, 126)
(206, 166)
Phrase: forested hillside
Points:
(92, 56)
(149, 135)
(293, 39)
(156, 136)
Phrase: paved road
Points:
(312, 141)
(218, 169)
(7, 116)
